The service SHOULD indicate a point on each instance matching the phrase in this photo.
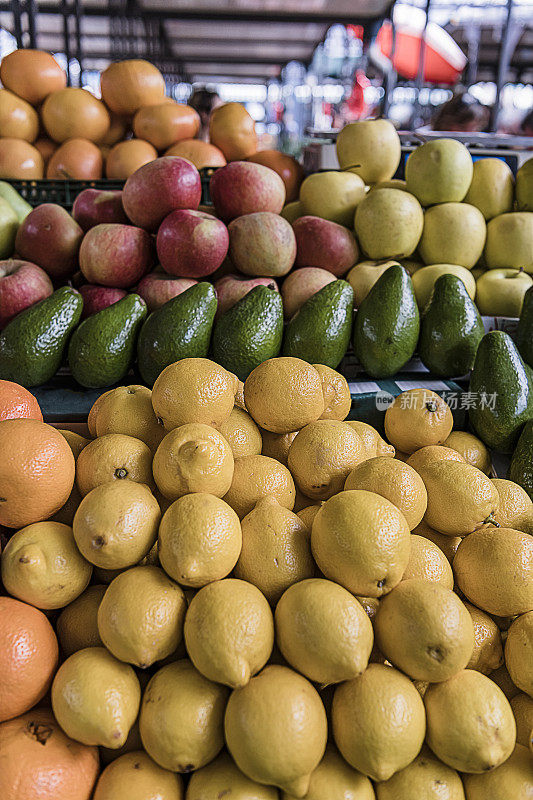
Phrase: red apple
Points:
(243, 187)
(158, 288)
(95, 206)
(262, 244)
(159, 187)
(325, 244)
(302, 284)
(95, 298)
(21, 285)
(191, 244)
(232, 288)
(116, 255)
(50, 238)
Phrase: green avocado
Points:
(502, 390)
(524, 332)
(250, 332)
(450, 329)
(102, 348)
(32, 344)
(387, 324)
(320, 331)
(181, 328)
(521, 468)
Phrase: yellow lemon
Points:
(513, 778)
(448, 544)
(113, 457)
(334, 778)
(75, 441)
(471, 448)
(428, 562)
(223, 775)
(487, 654)
(128, 410)
(276, 445)
(425, 778)
(519, 652)
(256, 477)
(136, 777)
(522, 705)
(241, 433)
(516, 508)
(337, 397)
(416, 418)
(433, 452)
(77, 625)
(373, 444)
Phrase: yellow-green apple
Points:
(243, 187)
(454, 233)
(510, 241)
(191, 244)
(388, 224)
(424, 280)
(370, 148)
(95, 206)
(116, 255)
(50, 238)
(364, 275)
(21, 285)
(325, 244)
(302, 284)
(500, 292)
(332, 195)
(262, 244)
(439, 171)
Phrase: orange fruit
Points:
(36, 472)
(38, 762)
(28, 657)
(16, 401)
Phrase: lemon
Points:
(494, 570)
(276, 445)
(307, 515)
(378, 721)
(134, 776)
(395, 481)
(113, 457)
(519, 652)
(502, 679)
(522, 706)
(322, 631)
(284, 394)
(256, 477)
(241, 433)
(433, 452)
(428, 562)
(369, 605)
(67, 511)
(95, 697)
(223, 777)
(487, 654)
(199, 539)
(276, 729)
(322, 455)
(93, 411)
(442, 641)
(239, 396)
(461, 498)
(182, 717)
(336, 780)
(425, 778)
(229, 631)
(77, 625)
(276, 550)
(133, 740)
(416, 418)
(471, 448)
(361, 540)
(116, 524)
(193, 458)
(128, 410)
(448, 544)
(75, 441)
(41, 565)
(337, 397)
(470, 724)
(513, 779)
(515, 509)
(373, 444)
(140, 619)
(193, 390)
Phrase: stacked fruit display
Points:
(230, 590)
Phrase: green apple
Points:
(292, 211)
(439, 171)
(454, 233)
(510, 241)
(363, 276)
(395, 183)
(370, 148)
(389, 223)
(332, 195)
(492, 187)
(424, 280)
(524, 186)
(500, 292)
(9, 225)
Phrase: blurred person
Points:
(462, 112)
(204, 101)
(526, 126)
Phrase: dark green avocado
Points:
(524, 331)
(521, 468)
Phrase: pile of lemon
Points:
(281, 603)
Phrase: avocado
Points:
(320, 331)
(250, 332)
(181, 328)
(521, 468)
(524, 332)
(387, 324)
(450, 329)
(102, 348)
(15, 200)
(501, 388)
(32, 344)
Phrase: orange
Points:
(28, 657)
(16, 401)
(36, 472)
(38, 762)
